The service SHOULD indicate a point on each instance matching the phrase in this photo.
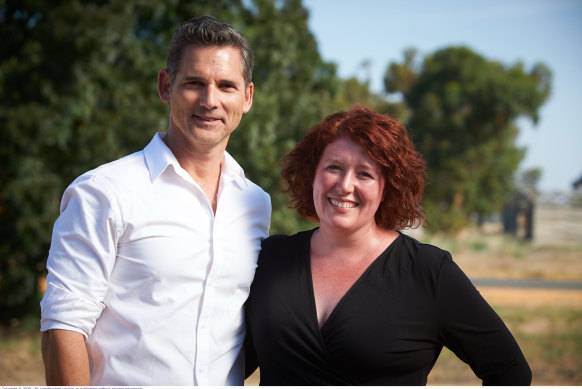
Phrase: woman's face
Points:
(347, 188)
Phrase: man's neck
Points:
(202, 162)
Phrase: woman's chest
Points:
(331, 282)
(379, 328)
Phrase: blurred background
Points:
(489, 91)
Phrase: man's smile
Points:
(208, 119)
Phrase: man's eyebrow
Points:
(228, 81)
(192, 78)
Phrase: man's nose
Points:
(209, 97)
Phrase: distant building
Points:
(518, 214)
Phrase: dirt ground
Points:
(21, 363)
(533, 329)
(546, 322)
(20, 359)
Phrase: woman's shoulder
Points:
(423, 253)
(278, 241)
(280, 246)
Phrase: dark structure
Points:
(518, 214)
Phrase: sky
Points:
(350, 32)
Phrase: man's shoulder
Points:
(235, 171)
(253, 187)
(130, 163)
(256, 190)
(116, 173)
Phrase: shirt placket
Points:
(203, 330)
(209, 301)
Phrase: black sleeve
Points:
(251, 359)
(475, 333)
(251, 362)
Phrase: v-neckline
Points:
(313, 314)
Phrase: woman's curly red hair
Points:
(387, 143)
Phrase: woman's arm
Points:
(475, 333)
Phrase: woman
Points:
(354, 301)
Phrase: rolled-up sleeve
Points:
(81, 257)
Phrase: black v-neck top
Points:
(388, 329)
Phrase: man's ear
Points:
(164, 86)
(248, 97)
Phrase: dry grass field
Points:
(547, 323)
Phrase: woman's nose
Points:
(346, 182)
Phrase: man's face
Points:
(208, 96)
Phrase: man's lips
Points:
(207, 119)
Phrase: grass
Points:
(546, 323)
(550, 338)
(20, 358)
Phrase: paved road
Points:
(527, 283)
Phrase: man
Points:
(153, 255)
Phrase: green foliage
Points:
(78, 87)
(61, 114)
(463, 112)
(294, 89)
(529, 179)
(78, 84)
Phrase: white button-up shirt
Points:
(156, 281)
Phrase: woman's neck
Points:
(326, 242)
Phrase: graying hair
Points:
(205, 31)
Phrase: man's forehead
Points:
(228, 58)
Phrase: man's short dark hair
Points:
(205, 31)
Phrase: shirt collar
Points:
(158, 157)
(231, 169)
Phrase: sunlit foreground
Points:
(546, 324)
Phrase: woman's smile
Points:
(343, 204)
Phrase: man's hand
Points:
(66, 362)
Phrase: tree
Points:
(463, 112)
(63, 112)
(78, 86)
(294, 89)
(529, 179)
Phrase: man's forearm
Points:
(66, 362)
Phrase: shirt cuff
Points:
(61, 309)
